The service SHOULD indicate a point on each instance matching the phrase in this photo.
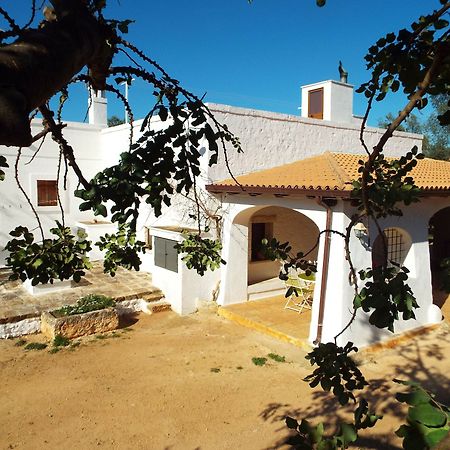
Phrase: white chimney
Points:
(98, 108)
(328, 100)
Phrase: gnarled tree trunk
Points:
(44, 60)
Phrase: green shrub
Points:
(259, 361)
(276, 357)
(91, 302)
(35, 346)
(61, 341)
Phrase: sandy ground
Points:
(171, 382)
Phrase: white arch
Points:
(234, 282)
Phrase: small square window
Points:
(47, 193)
(315, 103)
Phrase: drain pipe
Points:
(325, 264)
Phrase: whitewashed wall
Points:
(185, 289)
(271, 139)
(14, 209)
(339, 296)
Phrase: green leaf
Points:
(434, 437)
(37, 262)
(348, 433)
(413, 398)
(100, 210)
(428, 415)
(316, 433)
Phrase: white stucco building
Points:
(287, 209)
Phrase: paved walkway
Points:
(17, 304)
(269, 316)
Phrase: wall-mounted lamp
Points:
(360, 231)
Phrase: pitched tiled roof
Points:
(331, 173)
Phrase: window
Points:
(47, 193)
(315, 103)
(166, 255)
(260, 231)
(395, 245)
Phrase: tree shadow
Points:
(415, 362)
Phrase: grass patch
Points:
(35, 346)
(54, 350)
(127, 329)
(20, 343)
(259, 361)
(75, 344)
(276, 357)
(215, 370)
(101, 336)
(61, 341)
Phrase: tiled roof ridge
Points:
(341, 173)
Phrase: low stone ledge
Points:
(79, 324)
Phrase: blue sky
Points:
(254, 55)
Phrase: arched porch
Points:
(439, 245)
(250, 283)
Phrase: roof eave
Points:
(277, 191)
(285, 191)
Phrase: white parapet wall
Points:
(272, 139)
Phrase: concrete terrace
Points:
(17, 304)
(269, 316)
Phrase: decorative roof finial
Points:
(342, 73)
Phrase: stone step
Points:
(153, 296)
(158, 306)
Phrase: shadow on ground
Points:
(413, 361)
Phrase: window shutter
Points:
(166, 255)
(160, 252)
(315, 103)
(171, 256)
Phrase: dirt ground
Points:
(170, 382)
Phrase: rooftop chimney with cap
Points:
(98, 108)
(329, 100)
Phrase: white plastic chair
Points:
(302, 293)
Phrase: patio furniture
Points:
(302, 291)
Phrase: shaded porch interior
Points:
(285, 225)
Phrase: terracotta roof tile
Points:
(334, 172)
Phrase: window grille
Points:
(395, 246)
(392, 252)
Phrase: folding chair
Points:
(302, 293)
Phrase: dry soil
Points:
(170, 382)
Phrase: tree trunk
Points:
(44, 60)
